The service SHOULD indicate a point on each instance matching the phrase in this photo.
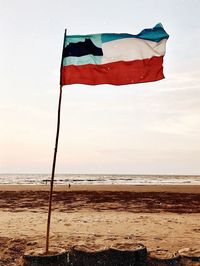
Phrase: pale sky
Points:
(149, 128)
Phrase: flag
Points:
(114, 58)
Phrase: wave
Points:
(65, 179)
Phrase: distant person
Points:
(69, 186)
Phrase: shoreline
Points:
(183, 188)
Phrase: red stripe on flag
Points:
(117, 73)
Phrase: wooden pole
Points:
(53, 172)
(55, 155)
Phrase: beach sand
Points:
(160, 217)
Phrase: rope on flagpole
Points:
(55, 155)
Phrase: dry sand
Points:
(160, 217)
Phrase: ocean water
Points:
(85, 179)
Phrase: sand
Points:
(160, 217)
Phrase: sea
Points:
(99, 179)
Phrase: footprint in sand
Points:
(67, 224)
(196, 230)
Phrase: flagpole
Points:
(55, 155)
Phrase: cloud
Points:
(179, 125)
(181, 81)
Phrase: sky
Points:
(148, 128)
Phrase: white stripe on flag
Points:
(131, 49)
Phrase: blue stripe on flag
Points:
(155, 34)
